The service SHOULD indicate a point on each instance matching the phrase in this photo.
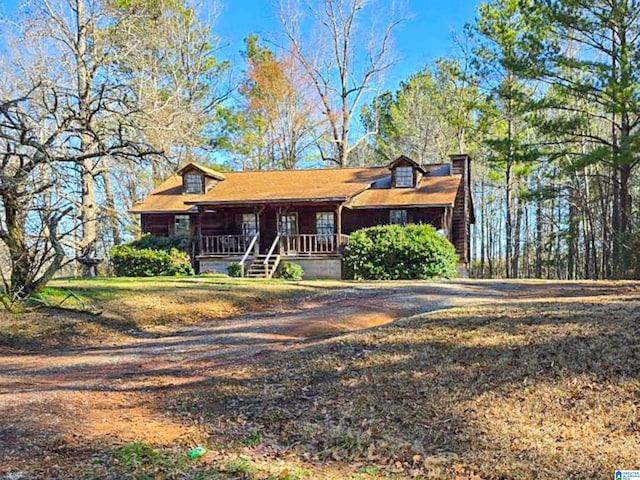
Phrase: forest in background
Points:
(101, 100)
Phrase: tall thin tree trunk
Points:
(572, 250)
(539, 231)
(483, 228)
(508, 190)
(515, 255)
(508, 225)
(88, 214)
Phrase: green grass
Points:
(75, 312)
(140, 461)
(253, 439)
(104, 289)
(242, 466)
(135, 457)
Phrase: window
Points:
(404, 177)
(182, 225)
(325, 223)
(398, 217)
(289, 224)
(249, 224)
(192, 183)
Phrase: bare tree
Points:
(342, 58)
(30, 212)
(62, 44)
(103, 117)
(168, 57)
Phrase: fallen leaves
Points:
(542, 389)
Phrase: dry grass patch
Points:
(110, 310)
(547, 389)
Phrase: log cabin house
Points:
(259, 218)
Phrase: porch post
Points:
(448, 226)
(339, 221)
(258, 211)
(278, 214)
(197, 241)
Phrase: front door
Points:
(268, 226)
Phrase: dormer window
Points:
(193, 183)
(404, 177)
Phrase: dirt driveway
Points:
(75, 399)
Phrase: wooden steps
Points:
(258, 269)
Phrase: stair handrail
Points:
(275, 243)
(246, 254)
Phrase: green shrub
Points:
(290, 271)
(234, 269)
(130, 262)
(395, 252)
(148, 241)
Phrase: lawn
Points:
(108, 310)
(521, 388)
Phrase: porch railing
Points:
(251, 248)
(309, 244)
(224, 244)
(269, 267)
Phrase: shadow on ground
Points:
(541, 383)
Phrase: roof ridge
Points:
(321, 169)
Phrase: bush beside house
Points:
(290, 271)
(395, 252)
(129, 261)
(147, 241)
(234, 269)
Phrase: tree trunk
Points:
(88, 215)
(539, 232)
(625, 214)
(574, 232)
(88, 218)
(110, 204)
(483, 229)
(508, 222)
(515, 255)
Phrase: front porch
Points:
(318, 254)
(259, 238)
(286, 245)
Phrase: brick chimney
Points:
(463, 214)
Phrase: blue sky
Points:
(424, 36)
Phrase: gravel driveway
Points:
(59, 399)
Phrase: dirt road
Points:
(54, 401)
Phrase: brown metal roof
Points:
(432, 191)
(313, 185)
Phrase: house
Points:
(258, 218)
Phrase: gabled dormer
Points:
(197, 179)
(405, 173)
